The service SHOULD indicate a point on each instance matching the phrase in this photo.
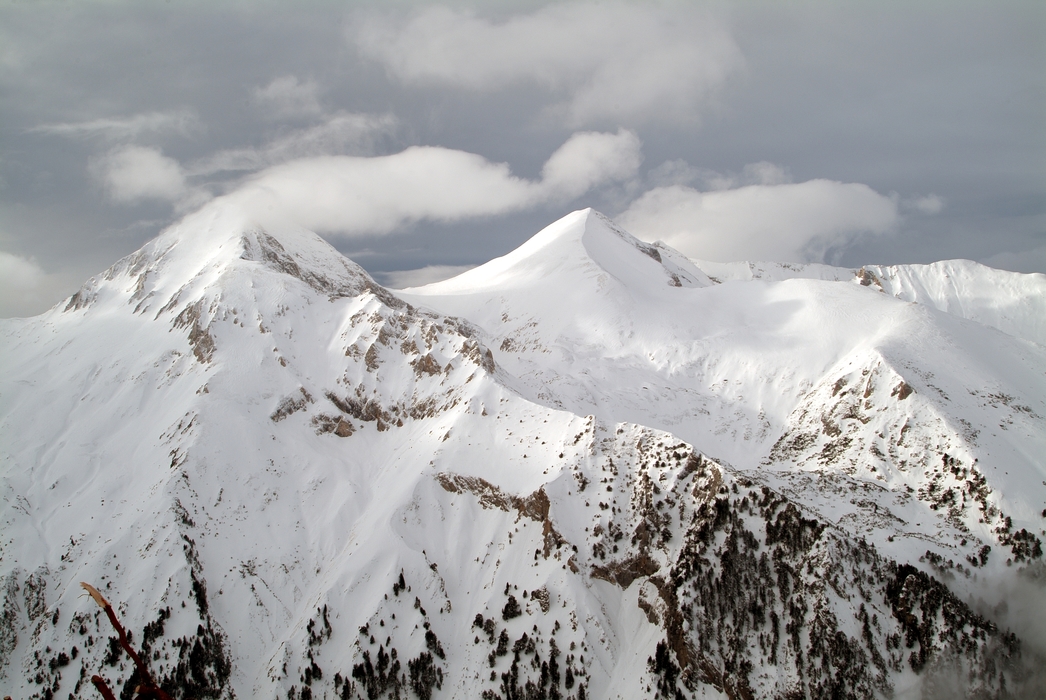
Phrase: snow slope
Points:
(295, 483)
(1014, 303)
(584, 318)
(910, 423)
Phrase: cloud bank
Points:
(626, 63)
(350, 195)
(796, 222)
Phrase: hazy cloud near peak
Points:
(349, 195)
(626, 63)
(181, 122)
(798, 222)
(343, 133)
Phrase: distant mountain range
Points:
(592, 468)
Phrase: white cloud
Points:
(354, 195)
(401, 279)
(342, 133)
(624, 62)
(591, 158)
(376, 195)
(182, 122)
(287, 96)
(134, 173)
(22, 286)
(780, 222)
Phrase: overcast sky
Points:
(422, 139)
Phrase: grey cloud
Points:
(22, 284)
(765, 173)
(402, 279)
(1033, 260)
(679, 172)
(27, 287)
(627, 63)
(927, 204)
(674, 172)
(289, 96)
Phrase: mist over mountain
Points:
(591, 468)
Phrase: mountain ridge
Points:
(331, 489)
(1016, 305)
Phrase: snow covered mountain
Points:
(592, 468)
(1009, 301)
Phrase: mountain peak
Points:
(207, 247)
(522, 467)
(582, 244)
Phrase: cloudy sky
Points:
(422, 139)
